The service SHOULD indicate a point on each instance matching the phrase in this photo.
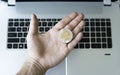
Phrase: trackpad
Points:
(89, 63)
(58, 70)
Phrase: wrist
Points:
(32, 67)
(35, 62)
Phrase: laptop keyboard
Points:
(96, 33)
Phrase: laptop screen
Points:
(66, 0)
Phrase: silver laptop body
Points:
(81, 61)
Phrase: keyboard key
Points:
(55, 23)
(85, 40)
(21, 23)
(86, 19)
(86, 35)
(81, 45)
(18, 29)
(54, 19)
(98, 29)
(104, 40)
(108, 23)
(104, 45)
(13, 40)
(16, 19)
(96, 45)
(97, 19)
(86, 28)
(25, 35)
(43, 19)
(27, 19)
(92, 29)
(87, 24)
(59, 19)
(12, 34)
(16, 24)
(20, 35)
(41, 29)
(97, 23)
(9, 46)
(92, 34)
(99, 40)
(24, 29)
(25, 46)
(20, 45)
(15, 46)
(103, 29)
(44, 23)
(48, 19)
(10, 24)
(102, 19)
(98, 35)
(92, 19)
(39, 20)
(110, 45)
(39, 24)
(49, 23)
(107, 19)
(11, 29)
(109, 42)
(22, 40)
(92, 40)
(10, 19)
(27, 23)
(92, 23)
(109, 32)
(87, 45)
(46, 29)
(102, 23)
(103, 34)
(21, 19)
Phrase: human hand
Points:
(46, 47)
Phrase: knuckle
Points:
(69, 27)
(66, 20)
(63, 22)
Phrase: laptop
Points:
(98, 53)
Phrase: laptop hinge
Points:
(107, 2)
(11, 2)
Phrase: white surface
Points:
(79, 62)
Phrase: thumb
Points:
(33, 29)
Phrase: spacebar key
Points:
(13, 40)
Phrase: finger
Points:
(75, 22)
(65, 21)
(78, 28)
(73, 43)
(33, 29)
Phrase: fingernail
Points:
(32, 16)
(74, 14)
(81, 34)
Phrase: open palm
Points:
(46, 47)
